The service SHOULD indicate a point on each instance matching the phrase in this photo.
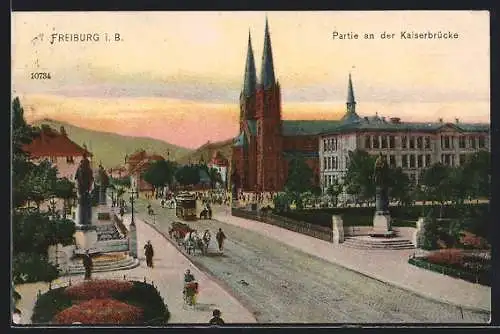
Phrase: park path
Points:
(167, 275)
(389, 266)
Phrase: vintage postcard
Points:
(211, 168)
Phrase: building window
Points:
(447, 142)
(404, 142)
(70, 160)
(329, 179)
(412, 161)
(336, 144)
(392, 142)
(336, 164)
(324, 144)
(427, 160)
(412, 143)
(329, 163)
(427, 143)
(392, 161)
(461, 159)
(420, 143)
(404, 161)
(368, 142)
(461, 142)
(325, 180)
(482, 142)
(53, 159)
(384, 141)
(472, 142)
(420, 161)
(324, 163)
(376, 143)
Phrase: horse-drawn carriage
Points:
(189, 238)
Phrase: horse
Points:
(189, 242)
(170, 204)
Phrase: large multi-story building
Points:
(56, 147)
(266, 143)
(413, 146)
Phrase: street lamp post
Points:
(132, 193)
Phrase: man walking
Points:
(216, 320)
(148, 252)
(87, 264)
(220, 239)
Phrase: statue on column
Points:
(103, 182)
(381, 180)
(84, 179)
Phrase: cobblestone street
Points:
(284, 285)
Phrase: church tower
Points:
(247, 96)
(269, 138)
(350, 115)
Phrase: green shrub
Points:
(49, 304)
(148, 298)
(32, 267)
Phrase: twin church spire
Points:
(267, 79)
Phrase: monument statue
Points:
(103, 182)
(381, 178)
(84, 179)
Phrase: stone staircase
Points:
(367, 242)
(127, 262)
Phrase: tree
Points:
(359, 176)
(334, 190)
(399, 186)
(40, 182)
(66, 190)
(478, 168)
(435, 182)
(188, 175)
(159, 174)
(300, 179)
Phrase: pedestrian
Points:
(149, 252)
(220, 239)
(122, 211)
(216, 319)
(87, 264)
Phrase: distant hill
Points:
(110, 148)
(207, 150)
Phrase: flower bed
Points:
(469, 266)
(100, 311)
(97, 289)
(102, 302)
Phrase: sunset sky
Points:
(176, 76)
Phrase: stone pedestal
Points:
(85, 236)
(418, 235)
(337, 229)
(382, 225)
(132, 241)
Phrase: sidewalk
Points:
(167, 275)
(387, 266)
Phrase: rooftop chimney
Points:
(440, 120)
(63, 131)
(457, 120)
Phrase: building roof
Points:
(51, 143)
(218, 159)
(376, 123)
(240, 140)
(267, 78)
(308, 128)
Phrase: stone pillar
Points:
(132, 241)
(337, 229)
(418, 235)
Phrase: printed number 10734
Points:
(40, 76)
